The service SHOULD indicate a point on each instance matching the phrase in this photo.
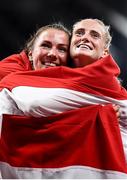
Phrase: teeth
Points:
(84, 46)
(49, 64)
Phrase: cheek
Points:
(71, 49)
(73, 44)
(37, 55)
(73, 41)
(64, 59)
(99, 46)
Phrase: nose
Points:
(52, 54)
(85, 37)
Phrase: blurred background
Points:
(20, 18)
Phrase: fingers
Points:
(121, 113)
(117, 110)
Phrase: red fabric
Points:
(13, 63)
(89, 136)
(99, 78)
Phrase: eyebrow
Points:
(49, 42)
(64, 44)
(78, 29)
(94, 31)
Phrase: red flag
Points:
(13, 63)
(80, 143)
(86, 139)
(99, 78)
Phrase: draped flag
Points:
(13, 63)
(61, 123)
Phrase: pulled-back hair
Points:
(59, 26)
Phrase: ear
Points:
(105, 53)
(30, 55)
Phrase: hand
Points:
(117, 110)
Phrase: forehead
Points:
(90, 25)
(53, 34)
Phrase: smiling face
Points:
(50, 49)
(88, 42)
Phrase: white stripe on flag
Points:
(37, 102)
(70, 172)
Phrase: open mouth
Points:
(48, 64)
(84, 46)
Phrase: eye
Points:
(46, 45)
(95, 35)
(80, 32)
(63, 49)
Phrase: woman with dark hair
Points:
(48, 47)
